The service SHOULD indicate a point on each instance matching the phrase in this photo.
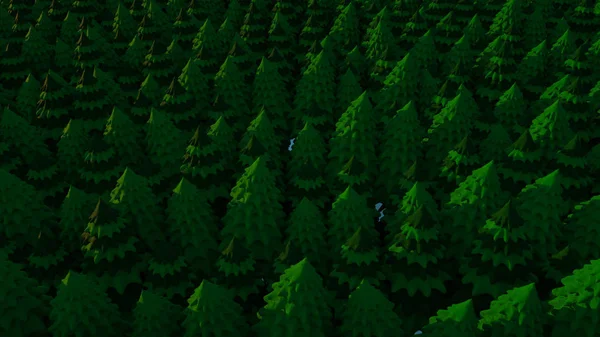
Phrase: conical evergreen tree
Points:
(300, 288)
(500, 255)
(78, 306)
(108, 245)
(346, 28)
(256, 23)
(261, 140)
(230, 95)
(457, 319)
(209, 159)
(305, 169)
(582, 224)
(269, 92)
(306, 238)
(154, 315)
(211, 310)
(415, 256)
(192, 227)
(572, 306)
(519, 310)
(401, 146)
(25, 303)
(369, 313)
(353, 146)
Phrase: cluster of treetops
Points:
(148, 186)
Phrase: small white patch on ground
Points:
(378, 208)
(419, 332)
(291, 144)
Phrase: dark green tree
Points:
(519, 311)
(572, 306)
(231, 96)
(154, 314)
(269, 92)
(212, 311)
(255, 26)
(457, 320)
(300, 288)
(369, 313)
(306, 238)
(353, 146)
(500, 254)
(305, 169)
(25, 301)
(71, 315)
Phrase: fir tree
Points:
(500, 255)
(211, 310)
(209, 159)
(255, 25)
(109, 244)
(510, 109)
(230, 95)
(300, 288)
(306, 238)
(25, 301)
(457, 319)
(349, 89)
(164, 143)
(349, 212)
(154, 315)
(448, 32)
(346, 29)
(572, 306)
(519, 310)
(269, 92)
(369, 313)
(193, 227)
(415, 255)
(353, 145)
(519, 167)
(260, 140)
(315, 98)
(401, 146)
(72, 316)
(381, 50)
(305, 169)
(400, 87)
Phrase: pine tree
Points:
(401, 146)
(457, 320)
(306, 165)
(37, 50)
(209, 159)
(52, 107)
(353, 146)
(519, 167)
(124, 137)
(19, 222)
(564, 47)
(269, 92)
(519, 310)
(185, 27)
(542, 207)
(230, 96)
(349, 212)
(346, 29)
(400, 87)
(254, 208)
(510, 109)
(551, 130)
(212, 311)
(472, 203)
(164, 143)
(154, 315)
(25, 303)
(581, 229)
(255, 25)
(197, 90)
(359, 259)
(415, 256)
(306, 238)
(78, 306)
(193, 227)
(369, 313)
(300, 288)
(500, 254)
(315, 98)
(572, 306)
(154, 25)
(137, 204)
(261, 140)
(281, 35)
(448, 32)
(110, 243)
